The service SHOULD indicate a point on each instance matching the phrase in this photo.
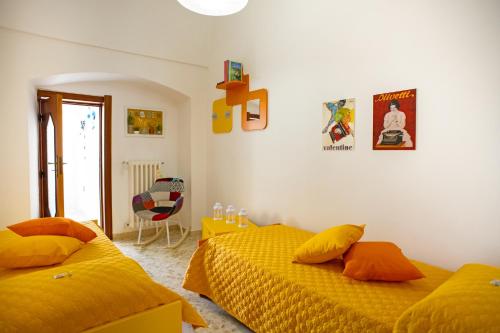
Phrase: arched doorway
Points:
(99, 84)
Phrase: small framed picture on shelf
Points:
(144, 122)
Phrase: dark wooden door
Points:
(51, 172)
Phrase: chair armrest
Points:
(178, 205)
(142, 201)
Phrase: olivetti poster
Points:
(338, 125)
(394, 120)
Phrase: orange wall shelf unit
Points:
(238, 93)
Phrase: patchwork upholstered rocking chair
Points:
(147, 206)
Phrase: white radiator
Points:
(141, 176)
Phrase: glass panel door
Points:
(50, 158)
(51, 168)
(81, 126)
(75, 157)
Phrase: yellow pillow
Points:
(467, 302)
(32, 251)
(328, 244)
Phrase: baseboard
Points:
(132, 234)
(146, 232)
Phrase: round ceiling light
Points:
(214, 7)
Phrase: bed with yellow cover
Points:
(252, 277)
(101, 291)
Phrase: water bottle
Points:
(230, 215)
(242, 218)
(217, 211)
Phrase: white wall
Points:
(155, 28)
(443, 205)
(137, 94)
(26, 58)
(440, 203)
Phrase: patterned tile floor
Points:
(167, 266)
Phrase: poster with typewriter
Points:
(338, 125)
(394, 120)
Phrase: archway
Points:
(125, 89)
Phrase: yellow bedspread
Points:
(466, 303)
(251, 276)
(104, 286)
(99, 247)
(97, 292)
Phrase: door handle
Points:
(58, 165)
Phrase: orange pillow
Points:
(58, 226)
(78, 230)
(382, 261)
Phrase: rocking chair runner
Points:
(146, 208)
